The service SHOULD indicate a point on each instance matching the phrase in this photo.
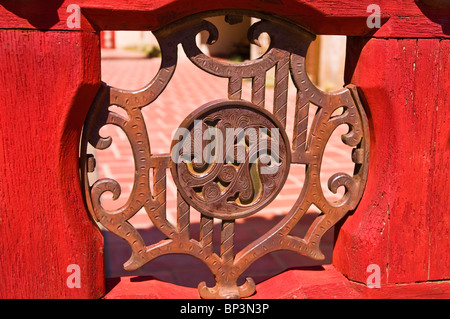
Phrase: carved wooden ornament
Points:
(231, 156)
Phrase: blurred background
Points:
(326, 55)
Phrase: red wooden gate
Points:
(50, 74)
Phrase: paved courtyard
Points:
(190, 88)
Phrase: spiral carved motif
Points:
(242, 157)
(229, 178)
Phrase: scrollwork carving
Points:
(220, 185)
(249, 158)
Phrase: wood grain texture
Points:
(305, 283)
(48, 83)
(348, 17)
(49, 80)
(402, 223)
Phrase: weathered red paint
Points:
(348, 17)
(309, 283)
(403, 221)
(50, 78)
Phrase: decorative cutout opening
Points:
(203, 208)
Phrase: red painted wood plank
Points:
(309, 283)
(402, 18)
(40, 15)
(146, 288)
(439, 218)
(402, 221)
(48, 83)
(364, 235)
(411, 138)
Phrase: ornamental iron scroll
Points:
(226, 188)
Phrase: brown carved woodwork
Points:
(242, 175)
(228, 188)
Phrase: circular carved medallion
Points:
(230, 159)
